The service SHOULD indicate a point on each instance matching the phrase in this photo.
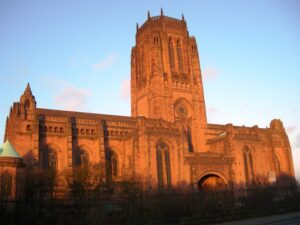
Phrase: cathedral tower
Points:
(166, 78)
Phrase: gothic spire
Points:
(28, 90)
(148, 14)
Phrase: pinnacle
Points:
(28, 89)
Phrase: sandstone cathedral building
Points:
(166, 142)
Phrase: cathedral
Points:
(166, 142)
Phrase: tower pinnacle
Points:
(28, 90)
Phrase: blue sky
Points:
(76, 56)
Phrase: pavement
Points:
(280, 219)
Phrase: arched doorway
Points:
(212, 182)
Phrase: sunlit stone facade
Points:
(166, 142)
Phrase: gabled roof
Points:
(7, 150)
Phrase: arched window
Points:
(27, 104)
(80, 158)
(189, 138)
(112, 165)
(181, 111)
(163, 164)
(171, 55)
(179, 54)
(49, 159)
(248, 164)
(6, 184)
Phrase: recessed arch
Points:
(112, 164)
(163, 162)
(166, 140)
(183, 101)
(183, 110)
(278, 165)
(247, 152)
(212, 181)
(81, 157)
(49, 157)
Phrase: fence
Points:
(165, 207)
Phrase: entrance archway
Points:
(212, 182)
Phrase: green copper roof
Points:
(7, 150)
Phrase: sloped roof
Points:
(7, 150)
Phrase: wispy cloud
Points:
(291, 129)
(212, 113)
(72, 98)
(209, 73)
(297, 140)
(212, 110)
(125, 89)
(108, 61)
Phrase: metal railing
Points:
(165, 207)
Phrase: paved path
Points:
(282, 219)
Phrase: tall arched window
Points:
(81, 158)
(248, 164)
(112, 165)
(163, 164)
(171, 55)
(6, 184)
(49, 159)
(179, 54)
(277, 166)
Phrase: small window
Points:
(28, 128)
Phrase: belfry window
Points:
(171, 54)
(179, 54)
(163, 164)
